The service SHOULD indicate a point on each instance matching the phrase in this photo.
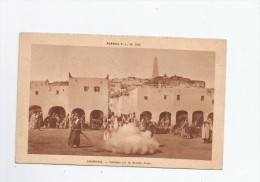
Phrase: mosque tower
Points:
(155, 68)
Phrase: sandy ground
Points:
(54, 141)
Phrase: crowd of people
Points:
(36, 120)
(54, 121)
(164, 125)
(114, 121)
(185, 130)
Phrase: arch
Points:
(211, 116)
(164, 115)
(198, 118)
(180, 117)
(96, 119)
(146, 115)
(33, 109)
(79, 111)
(60, 111)
(57, 113)
(96, 114)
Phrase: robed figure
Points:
(74, 137)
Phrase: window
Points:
(145, 97)
(96, 89)
(165, 97)
(202, 98)
(86, 88)
(178, 97)
(212, 101)
(57, 92)
(36, 92)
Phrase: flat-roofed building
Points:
(172, 102)
(85, 96)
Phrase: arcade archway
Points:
(78, 111)
(57, 113)
(181, 116)
(96, 119)
(197, 118)
(166, 118)
(211, 116)
(146, 115)
(34, 109)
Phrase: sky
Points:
(55, 62)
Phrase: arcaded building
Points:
(85, 96)
(172, 102)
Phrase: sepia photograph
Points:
(121, 100)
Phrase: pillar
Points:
(190, 117)
(206, 114)
(173, 119)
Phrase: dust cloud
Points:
(128, 139)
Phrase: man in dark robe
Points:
(40, 121)
(74, 137)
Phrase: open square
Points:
(54, 142)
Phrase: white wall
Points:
(48, 98)
(190, 101)
(88, 100)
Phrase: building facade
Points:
(173, 102)
(85, 96)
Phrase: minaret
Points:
(155, 68)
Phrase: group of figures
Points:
(114, 122)
(163, 126)
(51, 121)
(76, 123)
(184, 129)
(56, 120)
(36, 120)
(188, 131)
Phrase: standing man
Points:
(74, 137)
(206, 131)
(40, 121)
(67, 120)
(35, 124)
(32, 120)
(82, 122)
(210, 130)
(72, 118)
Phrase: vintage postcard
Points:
(121, 101)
